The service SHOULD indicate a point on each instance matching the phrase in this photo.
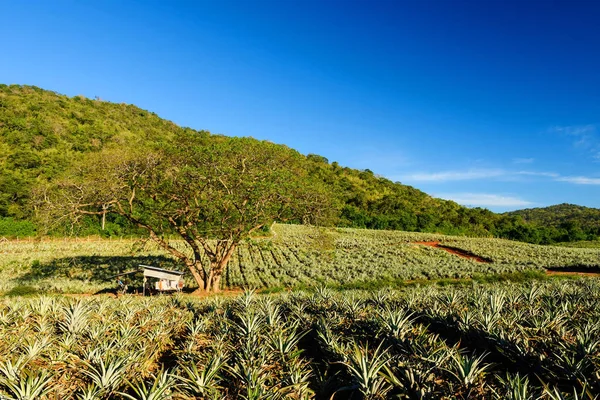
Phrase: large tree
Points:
(211, 191)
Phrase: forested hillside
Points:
(570, 222)
(42, 135)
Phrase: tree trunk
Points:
(216, 270)
(104, 208)
(195, 268)
(216, 283)
(214, 278)
(211, 276)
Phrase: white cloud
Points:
(497, 174)
(445, 176)
(575, 130)
(579, 180)
(586, 136)
(485, 199)
(523, 160)
(472, 174)
(538, 173)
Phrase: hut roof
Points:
(154, 272)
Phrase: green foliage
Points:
(11, 228)
(195, 186)
(563, 222)
(43, 134)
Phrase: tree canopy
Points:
(212, 191)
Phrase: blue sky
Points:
(489, 103)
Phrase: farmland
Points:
(499, 341)
(399, 338)
(293, 256)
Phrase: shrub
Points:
(12, 228)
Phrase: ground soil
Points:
(577, 273)
(80, 295)
(455, 251)
(225, 292)
(201, 294)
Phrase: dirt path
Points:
(456, 252)
(223, 292)
(198, 295)
(566, 272)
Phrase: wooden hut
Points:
(164, 280)
(167, 280)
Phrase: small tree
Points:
(212, 191)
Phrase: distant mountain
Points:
(42, 133)
(576, 222)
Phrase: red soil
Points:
(456, 252)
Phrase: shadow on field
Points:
(94, 268)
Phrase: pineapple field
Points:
(506, 332)
(492, 341)
(295, 256)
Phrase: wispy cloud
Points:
(495, 174)
(575, 130)
(523, 160)
(485, 199)
(579, 180)
(446, 176)
(472, 174)
(585, 137)
(538, 173)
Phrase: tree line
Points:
(45, 137)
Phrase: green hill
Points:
(42, 133)
(569, 221)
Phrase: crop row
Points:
(294, 256)
(485, 342)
